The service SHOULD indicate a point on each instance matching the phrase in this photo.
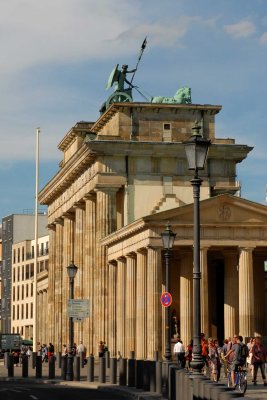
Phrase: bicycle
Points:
(240, 380)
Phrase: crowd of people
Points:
(229, 356)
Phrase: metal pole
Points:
(197, 360)
(167, 312)
(69, 373)
(34, 322)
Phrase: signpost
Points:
(10, 341)
(78, 309)
(166, 299)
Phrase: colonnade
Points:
(124, 292)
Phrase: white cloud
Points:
(263, 38)
(241, 29)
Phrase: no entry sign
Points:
(166, 299)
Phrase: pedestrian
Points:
(258, 360)
(64, 350)
(50, 350)
(101, 349)
(249, 358)
(44, 353)
(179, 352)
(189, 354)
(213, 357)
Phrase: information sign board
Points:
(78, 308)
(10, 341)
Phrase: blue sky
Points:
(56, 56)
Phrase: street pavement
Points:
(253, 392)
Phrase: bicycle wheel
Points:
(242, 383)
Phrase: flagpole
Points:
(35, 244)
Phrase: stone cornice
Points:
(65, 176)
(81, 128)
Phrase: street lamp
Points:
(196, 149)
(168, 238)
(72, 270)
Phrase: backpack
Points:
(243, 352)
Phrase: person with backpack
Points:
(239, 352)
(258, 360)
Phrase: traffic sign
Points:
(166, 299)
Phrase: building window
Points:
(14, 275)
(32, 251)
(167, 132)
(17, 311)
(14, 256)
(31, 310)
(18, 255)
(22, 292)
(26, 311)
(18, 293)
(22, 273)
(32, 270)
(23, 253)
(27, 290)
(22, 311)
(31, 289)
(18, 273)
(13, 313)
(27, 271)
(14, 294)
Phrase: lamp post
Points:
(72, 270)
(196, 149)
(168, 238)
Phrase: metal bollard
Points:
(102, 370)
(131, 355)
(10, 366)
(90, 368)
(38, 367)
(63, 367)
(122, 371)
(146, 376)
(139, 373)
(24, 366)
(188, 385)
(58, 359)
(152, 375)
(6, 355)
(113, 370)
(158, 377)
(76, 368)
(33, 359)
(81, 355)
(51, 367)
(131, 372)
(107, 356)
(216, 390)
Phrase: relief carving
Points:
(224, 212)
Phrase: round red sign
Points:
(166, 299)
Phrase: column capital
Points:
(89, 196)
(131, 255)
(79, 204)
(68, 215)
(106, 188)
(121, 259)
(246, 248)
(52, 226)
(59, 221)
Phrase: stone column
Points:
(246, 293)
(130, 303)
(51, 284)
(121, 297)
(141, 304)
(58, 285)
(154, 279)
(68, 257)
(259, 299)
(112, 335)
(230, 294)
(78, 261)
(204, 291)
(105, 224)
(89, 267)
(186, 297)
(45, 331)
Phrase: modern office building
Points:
(23, 296)
(15, 228)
